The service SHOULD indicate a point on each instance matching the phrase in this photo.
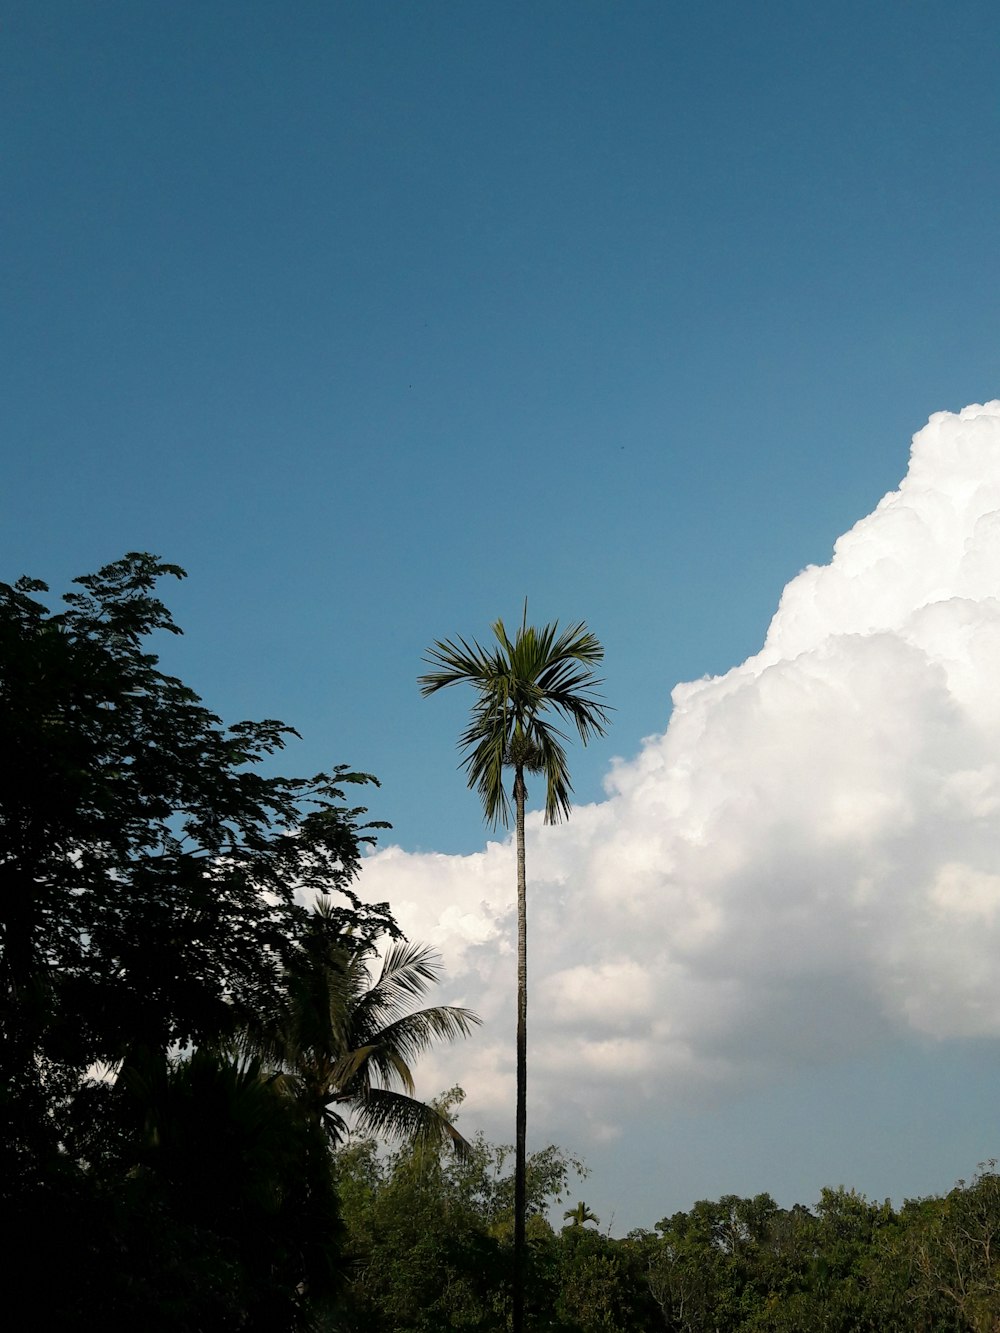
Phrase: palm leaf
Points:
(393, 1114)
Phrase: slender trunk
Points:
(520, 1132)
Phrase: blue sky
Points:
(379, 318)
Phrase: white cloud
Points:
(806, 860)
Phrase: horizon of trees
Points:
(430, 1239)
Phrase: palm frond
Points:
(558, 788)
(456, 660)
(336, 1127)
(399, 1116)
(352, 1075)
(407, 971)
(415, 1033)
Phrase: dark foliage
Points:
(148, 873)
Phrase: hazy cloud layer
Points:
(806, 861)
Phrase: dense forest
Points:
(428, 1241)
(207, 1112)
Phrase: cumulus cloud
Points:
(807, 860)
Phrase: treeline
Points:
(429, 1243)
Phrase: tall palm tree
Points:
(523, 686)
(342, 1044)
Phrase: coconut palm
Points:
(343, 1045)
(523, 687)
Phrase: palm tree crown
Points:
(343, 1043)
(580, 1215)
(542, 671)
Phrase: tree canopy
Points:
(151, 876)
(524, 687)
(148, 869)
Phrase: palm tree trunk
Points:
(520, 1130)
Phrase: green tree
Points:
(600, 1284)
(430, 1233)
(148, 880)
(522, 685)
(343, 1043)
(147, 871)
(952, 1248)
